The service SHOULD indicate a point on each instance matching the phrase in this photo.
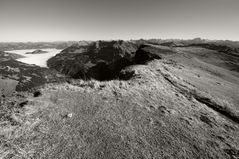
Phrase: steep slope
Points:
(100, 60)
(148, 52)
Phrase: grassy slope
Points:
(7, 86)
(156, 114)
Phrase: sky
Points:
(63, 20)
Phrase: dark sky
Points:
(53, 20)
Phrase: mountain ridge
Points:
(168, 100)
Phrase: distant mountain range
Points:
(7, 46)
(4, 46)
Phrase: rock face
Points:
(100, 60)
(103, 60)
(37, 52)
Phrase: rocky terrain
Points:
(98, 60)
(129, 99)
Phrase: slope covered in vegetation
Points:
(170, 102)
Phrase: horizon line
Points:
(52, 41)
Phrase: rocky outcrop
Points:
(100, 60)
(103, 60)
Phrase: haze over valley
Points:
(38, 59)
(109, 79)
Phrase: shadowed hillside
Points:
(99, 60)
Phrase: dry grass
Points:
(145, 117)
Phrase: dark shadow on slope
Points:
(218, 108)
(143, 55)
(104, 60)
(100, 71)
